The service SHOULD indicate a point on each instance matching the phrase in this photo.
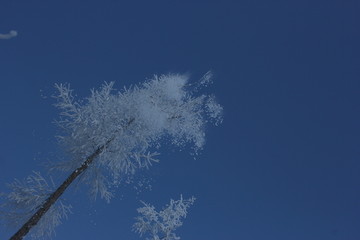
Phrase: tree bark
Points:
(60, 190)
(55, 195)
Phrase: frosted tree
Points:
(111, 134)
(161, 225)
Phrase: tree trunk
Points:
(60, 190)
(55, 195)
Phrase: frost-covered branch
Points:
(161, 225)
(160, 108)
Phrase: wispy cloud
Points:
(9, 35)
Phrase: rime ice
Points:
(131, 123)
(162, 224)
(25, 198)
(110, 135)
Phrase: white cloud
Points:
(9, 35)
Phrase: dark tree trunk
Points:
(60, 190)
(55, 195)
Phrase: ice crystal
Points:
(24, 200)
(130, 124)
(161, 225)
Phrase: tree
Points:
(110, 135)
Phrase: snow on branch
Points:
(130, 124)
(108, 137)
(161, 225)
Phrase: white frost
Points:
(23, 201)
(162, 224)
(125, 128)
(129, 124)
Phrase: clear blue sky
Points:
(283, 165)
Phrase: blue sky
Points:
(283, 165)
